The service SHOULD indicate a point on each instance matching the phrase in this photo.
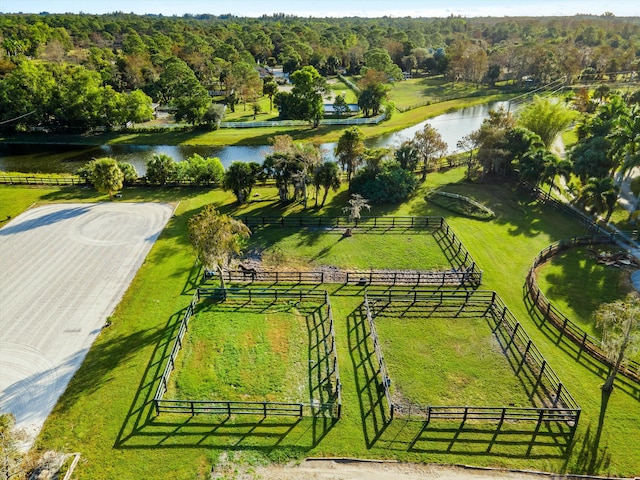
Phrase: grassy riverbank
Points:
(256, 136)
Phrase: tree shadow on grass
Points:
(588, 456)
(574, 351)
(374, 412)
(194, 279)
(103, 357)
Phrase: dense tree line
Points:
(523, 144)
(87, 70)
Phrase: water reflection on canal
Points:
(68, 158)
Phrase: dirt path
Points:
(372, 470)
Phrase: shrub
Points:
(459, 204)
(388, 184)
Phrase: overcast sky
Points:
(331, 8)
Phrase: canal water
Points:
(68, 158)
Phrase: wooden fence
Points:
(385, 379)
(541, 382)
(552, 314)
(416, 278)
(38, 180)
(227, 407)
(365, 222)
(464, 271)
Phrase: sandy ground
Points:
(372, 470)
(63, 270)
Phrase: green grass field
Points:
(575, 283)
(106, 412)
(308, 249)
(448, 361)
(228, 350)
(417, 91)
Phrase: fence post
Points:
(584, 339)
(544, 364)
(513, 334)
(564, 326)
(555, 402)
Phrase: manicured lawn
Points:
(107, 415)
(575, 283)
(339, 88)
(244, 113)
(417, 91)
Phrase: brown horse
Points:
(247, 271)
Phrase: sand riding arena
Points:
(63, 270)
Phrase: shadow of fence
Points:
(551, 314)
(554, 408)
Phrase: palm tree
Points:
(161, 169)
(106, 176)
(625, 139)
(601, 194)
(327, 176)
(532, 166)
(240, 178)
(556, 167)
(407, 155)
(270, 88)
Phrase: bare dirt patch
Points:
(379, 470)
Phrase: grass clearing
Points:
(106, 412)
(290, 249)
(447, 361)
(577, 284)
(416, 91)
(228, 349)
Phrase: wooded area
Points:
(85, 71)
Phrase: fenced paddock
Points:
(321, 380)
(462, 271)
(547, 398)
(557, 319)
